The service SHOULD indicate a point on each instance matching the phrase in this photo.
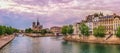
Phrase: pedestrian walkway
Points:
(5, 39)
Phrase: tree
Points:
(29, 30)
(67, 30)
(9, 30)
(84, 29)
(70, 29)
(95, 32)
(118, 32)
(2, 30)
(99, 31)
(43, 31)
(15, 30)
(64, 30)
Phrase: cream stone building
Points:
(76, 28)
(56, 30)
(110, 22)
(89, 23)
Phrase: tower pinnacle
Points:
(38, 22)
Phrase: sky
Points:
(21, 13)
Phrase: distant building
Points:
(96, 18)
(89, 23)
(56, 30)
(36, 26)
(76, 28)
(47, 29)
(110, 22)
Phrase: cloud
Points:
(14, 7)
(55, 12)
(52, 7)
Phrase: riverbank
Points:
(5, 40)
(92, 39)
(33, 35)
(37, 35)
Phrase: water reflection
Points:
(24, 44)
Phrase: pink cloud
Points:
(51, 12)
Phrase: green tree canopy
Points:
(43, 31)
(7, 30)
(67, 30)
(70, 29)
(2, 30)
(118, 32)
(29, 30)
(64, 30)
(99, 31)
(84, 29)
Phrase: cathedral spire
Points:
(37, 19)
(101, 14)
(38, 22)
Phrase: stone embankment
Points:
(5, 40)
(37, 35)
(91, 39)
(33, 35)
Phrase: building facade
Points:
(110, 22)
(76, 28)
(56, 30)
(36, 26)
(89, 23)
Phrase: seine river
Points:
(24, 44)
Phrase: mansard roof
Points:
(89, 18)
(107, 16)
(111, 16)
(117, 17)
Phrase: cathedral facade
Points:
(36, 26)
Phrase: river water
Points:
(24, 44)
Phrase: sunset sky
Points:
(21, 13)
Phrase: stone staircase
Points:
(109, 36)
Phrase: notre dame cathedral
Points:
(36, 26)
